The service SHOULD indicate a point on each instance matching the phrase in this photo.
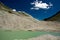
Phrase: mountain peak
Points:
(55, 17)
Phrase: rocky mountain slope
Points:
(22, 21)
(55, 17)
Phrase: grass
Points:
(11, 35)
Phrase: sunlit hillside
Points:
(20, 20)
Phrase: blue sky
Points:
(41, 13)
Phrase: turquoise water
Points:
(11, 35)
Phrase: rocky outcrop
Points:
(46, 37)
(22, 21)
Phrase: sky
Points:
(39, 9)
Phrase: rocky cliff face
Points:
(20, 20)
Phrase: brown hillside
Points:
(22, 21)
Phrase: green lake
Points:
(11, 35)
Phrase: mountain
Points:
(20, 20)
(55, 17)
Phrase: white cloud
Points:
(14, 10)
(40, 5)
(35, 8)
